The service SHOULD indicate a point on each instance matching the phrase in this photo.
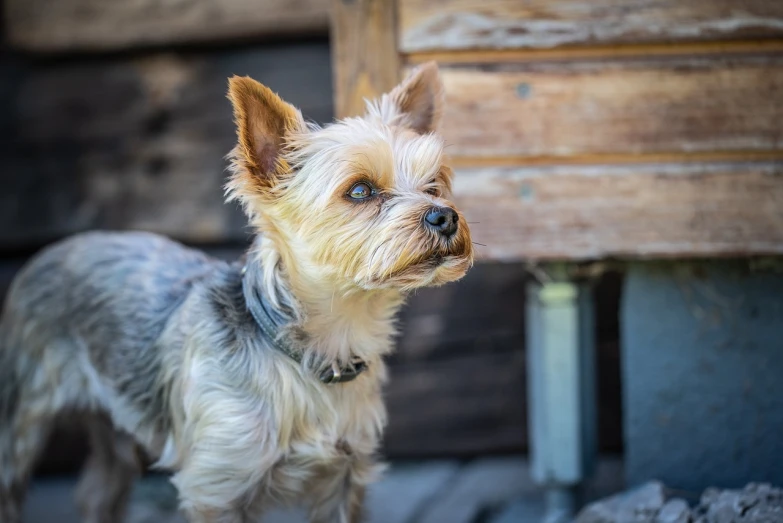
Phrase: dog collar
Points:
(263, 317)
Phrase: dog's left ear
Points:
(264, 122)
(419, 99)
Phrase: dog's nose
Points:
(442, 219)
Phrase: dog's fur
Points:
(157, 343)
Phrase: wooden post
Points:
(561, 392)
(364, 52)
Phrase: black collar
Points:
(269, 323)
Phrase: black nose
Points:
(442, 219)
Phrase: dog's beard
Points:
(416, 257)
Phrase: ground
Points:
(488, 490)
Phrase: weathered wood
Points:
(100, 25)
(480, 485)
(365, 59)
(599, 52)
(637, 211)
(608, 108)
(427, 25)
(136, 143)
(480, 314)
(469, 404)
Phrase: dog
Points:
(257, 383)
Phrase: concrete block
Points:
(703, 374)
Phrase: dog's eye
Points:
(433, 190)
(361, 191)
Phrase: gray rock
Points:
(639, 505)
(674, 511)
(756, 503)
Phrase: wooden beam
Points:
(103, 25)
(427, 25)
(137, 143)
(627, 107)
(364, 50)
(742, 155)
(597, 52)
(636, 211)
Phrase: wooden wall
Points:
(582, 130)
(113, 115)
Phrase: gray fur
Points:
(111, 295)
(106, 324)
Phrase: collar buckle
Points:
(335, 374)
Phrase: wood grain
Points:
(445, 407)
(637, 211)
(687, 106)
(364, 51)
(598, 52)
(100, 25)
(136, 143)
(430, 25)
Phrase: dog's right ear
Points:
(264, 121)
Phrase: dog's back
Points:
(79, 329)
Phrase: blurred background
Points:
(622, 161)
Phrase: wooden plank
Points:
(101, 25)
(365, 59)
(448, 407)
(562, 110)
(481, 487)
(600, 52)
(137, 143)
(639, 211)
(481, 314)
(427, 25)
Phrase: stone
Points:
(639, 505)
(674, 511)
(756, 503)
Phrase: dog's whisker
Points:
(477, 243)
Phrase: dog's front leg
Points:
(345, 506)
(343, 500)
(354, 503)
(229, 444)
(215, 490)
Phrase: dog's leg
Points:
(343, 504)
(354, 502)
(23, 434)
(108, 475)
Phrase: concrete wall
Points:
(703, 374)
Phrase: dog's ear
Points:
(263, 121)
(419, 99)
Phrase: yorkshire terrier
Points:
(256, 383)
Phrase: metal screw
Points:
(526, 192)
(523, 90)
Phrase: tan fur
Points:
(158, 340)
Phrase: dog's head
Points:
(364, 201)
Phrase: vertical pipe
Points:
(561, 391)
